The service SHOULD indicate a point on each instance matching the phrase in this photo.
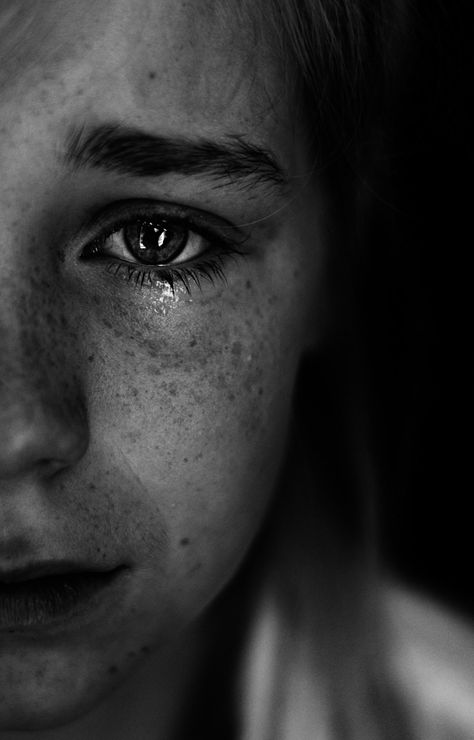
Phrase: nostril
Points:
(47, 468)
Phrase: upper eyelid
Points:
(119, 213)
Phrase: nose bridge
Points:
(42, 419)
(30, 338)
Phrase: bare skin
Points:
(142, 426)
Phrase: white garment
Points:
(430, 663)
(431, 654)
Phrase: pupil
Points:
(152, 237)
(157, 243)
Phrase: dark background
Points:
(420, 315)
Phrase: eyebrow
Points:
(131, 151)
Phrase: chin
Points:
(25, 713)
(46, 693)
(43, 711)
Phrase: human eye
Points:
(151, 244)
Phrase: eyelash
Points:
(209, 266)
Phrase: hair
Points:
(343, 56)
(311, 633)
(317, 580)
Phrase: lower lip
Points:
(48, 601)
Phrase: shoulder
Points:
(431, 662)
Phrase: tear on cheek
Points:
(168, 298)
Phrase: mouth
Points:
(47, 594)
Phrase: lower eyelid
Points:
(189, 275)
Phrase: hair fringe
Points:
(343, 55)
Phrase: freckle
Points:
(194, 569)
(193, 342)
(91, 487)
(185, 459)
(248, 284)
(260, 391)
(151, 75)
(131, 437)
(91, 358)
(184, 542)
(113, 669)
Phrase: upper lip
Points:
(47, 568)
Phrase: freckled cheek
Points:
(191, 359)
(193, 409)
(193, 425)
(219, 394)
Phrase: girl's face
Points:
(160, 261)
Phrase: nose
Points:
(40, 436)
(43, 423)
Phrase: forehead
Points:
(167, 63)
